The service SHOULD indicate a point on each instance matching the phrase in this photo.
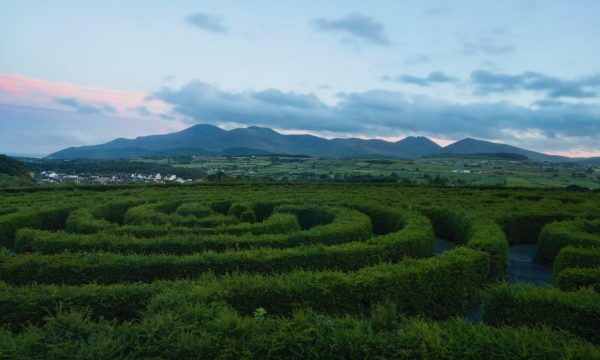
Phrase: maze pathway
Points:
(523, 268)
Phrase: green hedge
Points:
(309, 216)
(384, 219)
(571, 257)
(20, 306)
(145, 214)
(436, 287)
(83, 221)
(306, 335)
(89, 220)
(248, 216)
(480, 234)
(557, 235)
(574, 278)
(487, 236)
(211, 225)
(194, 209)
(347, 226)
(452, 225)
(215, 333)
(524, 227)
(72, 268)
(526, 305)
(52, 218)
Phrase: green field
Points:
(482, 170)
(286, 271)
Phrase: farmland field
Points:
(301, 271)
(475, 170)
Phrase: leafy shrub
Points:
(194, 209)
(145, 214)
(48, 219)
(216, 332)
(248, 216)
(571, 257)
(557, 235)
(435, 287)
(30, 305)
(237, 209)
(309, 216)
(480, 234)
(576, 312)
(524, 227)
(572, 279)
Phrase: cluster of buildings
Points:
(52, 177)
(230, 171)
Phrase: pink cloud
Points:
(576, 153)
(25, 91)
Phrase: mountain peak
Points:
(214, 140)
(262, 130)
(204, 127)
(418, 141)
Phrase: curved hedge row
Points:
(435, 287)
(557, 235)
(101, 217)
(524, 227)
(571, 279)
(576, 312)
(346, 226)
(479, 234)
(574, 257)
(48, 219)
(415, 240)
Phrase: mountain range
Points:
(211, 140)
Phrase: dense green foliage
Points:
(216, 333)
(476, 233)
(576, 312)
(11, 167)
(555, 236)
(292, 271)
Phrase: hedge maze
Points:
(295, 271)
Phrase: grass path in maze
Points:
(524, 269)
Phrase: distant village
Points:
(52, 177)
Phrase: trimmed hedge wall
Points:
(572, 279)
(347, 226)
(194, 209)
(557, 235)
(571, 257)
(75, 268)
(215, 333)
(20, 306)
(48, 219)
(479, 234)
(435, 287)
(453, 282)
(525, 305)
(524, 227)
(487, 236)
(101, 217)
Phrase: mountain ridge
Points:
(213, 140)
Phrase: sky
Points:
(521, 72)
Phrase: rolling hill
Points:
(211, 140)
